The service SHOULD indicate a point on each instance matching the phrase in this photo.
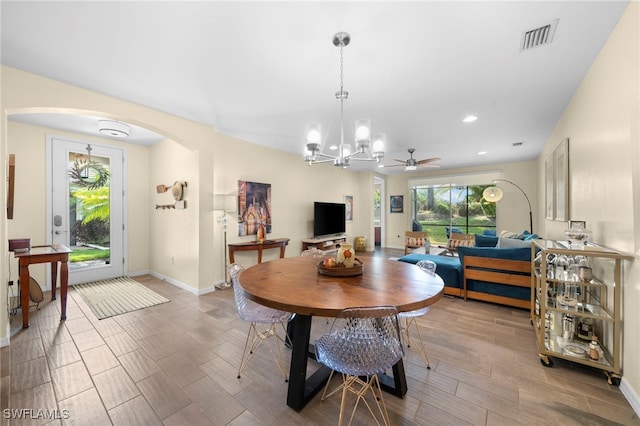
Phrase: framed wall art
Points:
(348, 202)
(549, 188)
(397, 203)
(254, 207)
(556, 179)
(561, 181)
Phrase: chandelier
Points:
(362, 133)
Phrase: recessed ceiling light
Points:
(470, 119)
(482, 153)
(333, 147)
(380, 165)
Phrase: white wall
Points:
(602, 122)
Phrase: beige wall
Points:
(294, 188)
(28, 143)
(173, 240)
(182, 246)
(27, 93)
(602, 123)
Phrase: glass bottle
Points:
(260, 234)
(594, 352)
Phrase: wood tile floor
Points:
(176, 363)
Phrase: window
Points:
(444, 207)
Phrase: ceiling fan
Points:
(412, 163)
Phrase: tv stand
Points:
(326, 244)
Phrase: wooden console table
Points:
(44, 254)
(280, 243)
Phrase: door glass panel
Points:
(89, 211)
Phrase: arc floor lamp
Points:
(493, 194)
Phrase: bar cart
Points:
(576, 296)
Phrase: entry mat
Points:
(117, 296)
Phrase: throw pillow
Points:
(461, 240)
(513, 243)
(416, 242)
(486, 240)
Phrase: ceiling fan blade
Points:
(428, 160)
(400, 161)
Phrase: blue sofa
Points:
(498, 275)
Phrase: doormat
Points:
(117, 296)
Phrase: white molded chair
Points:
(361, 343)
(410, 317)
(256, 314)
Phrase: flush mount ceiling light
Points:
(362, 134)
(113, 128)
(469, 119)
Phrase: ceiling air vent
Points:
(538, 36)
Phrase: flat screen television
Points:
(328, 218)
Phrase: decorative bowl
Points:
(341, 270)
(577, 237)
(575, 350)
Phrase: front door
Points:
(87, 207)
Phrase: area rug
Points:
(117, 296)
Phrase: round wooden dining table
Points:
(293, 284)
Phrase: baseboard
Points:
(631, 395)
(138, 273)
(178, 284)
(197, 292)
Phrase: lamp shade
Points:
(492, 194)
(224, 202)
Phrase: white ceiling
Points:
(261, 71)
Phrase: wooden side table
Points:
(54, 254)
(280, 243)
